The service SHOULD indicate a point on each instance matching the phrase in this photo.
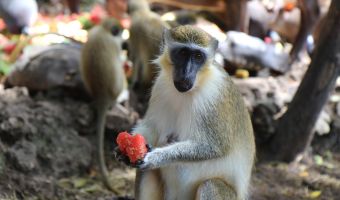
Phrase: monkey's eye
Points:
(115, 30)
(183, 52)
(198, 57)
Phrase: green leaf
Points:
(318, 160)
(80, 182)
(4, 67)
(92, 188)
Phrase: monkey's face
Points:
(191, 50)
(187, 60)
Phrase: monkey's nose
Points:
(183, 85)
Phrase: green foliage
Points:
(4, 67)
(86, 23)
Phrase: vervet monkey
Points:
(197, 123)
(145, 36)
(103, 76)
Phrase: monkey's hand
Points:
(121, 157)
(152, 160)
(126, 160)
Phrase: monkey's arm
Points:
(146, 129)
(181, 152)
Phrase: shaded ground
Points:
(296, 181)
(46, 147)
(46, 153)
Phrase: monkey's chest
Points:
(173, 128)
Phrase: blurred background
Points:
(282, 54)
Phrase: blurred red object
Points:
(97, 14)
(9, 48)
(2, 25)
(289, 6)
(117, 8)
(268, 40)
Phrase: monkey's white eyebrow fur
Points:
(189, 45)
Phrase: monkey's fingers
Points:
(121, 157)
(137, 164)
(148, 147)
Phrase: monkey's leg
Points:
(149, 185)
(215, 189)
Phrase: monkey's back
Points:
(145, 38)
(101, 65)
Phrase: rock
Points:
(119, 120)
(263, 119)
(55, 67)
(2, 158)
(23, 156)
(45, 131)
(64, 152)
(259, 89)
(322, 125)
(13, 119)
(330, 141)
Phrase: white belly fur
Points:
(182, 179)
(175, 114)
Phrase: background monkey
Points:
(103, 76)
(145, 36)
(197, 123)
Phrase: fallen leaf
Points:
(65, 183)
(315, 194)
(80, 182)
(304, 174)
(93, 188)
(318, 160)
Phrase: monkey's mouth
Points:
(183, 85)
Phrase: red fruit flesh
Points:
(122, 140)
(132, 146)
(137, 148)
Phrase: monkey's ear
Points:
(166, 37)
(214, 44)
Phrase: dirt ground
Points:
(47, 152)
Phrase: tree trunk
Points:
(294, 129)
(235, 15)
(310, 14)
(227, 14)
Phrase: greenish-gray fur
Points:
(191, 34)
(104, 78)
(236, 120)
(145, 38)
(215, 189)
(222, 132)
(220, 137)
(108, 23)
(137, 5)
(101, 65)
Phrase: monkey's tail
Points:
(101, 108)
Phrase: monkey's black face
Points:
(115, 30)
(186, 62)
